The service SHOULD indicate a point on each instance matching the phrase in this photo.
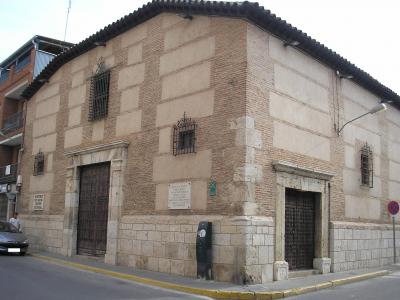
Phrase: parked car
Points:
(12, 240)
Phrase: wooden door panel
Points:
(93, 209)
(299, 229)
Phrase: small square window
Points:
(184, 136)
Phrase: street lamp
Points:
(377, 108)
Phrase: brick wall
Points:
(57, 114)
(254, 100)
(10, 106)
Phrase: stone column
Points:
(114, 209)
(281, 267)
(71, 211)
(322, 262)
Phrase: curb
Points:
(217, 294)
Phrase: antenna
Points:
(66, 22)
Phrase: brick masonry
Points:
(232, 78)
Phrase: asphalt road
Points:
(33, 279)
(380, 288)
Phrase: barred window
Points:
(184, 137)
(99, 92)
(38, 167)
(367, 166)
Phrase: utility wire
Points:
(66, 22)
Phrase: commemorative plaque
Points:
(179, 195)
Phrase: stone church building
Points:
(182, 112)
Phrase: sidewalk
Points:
(218, 290)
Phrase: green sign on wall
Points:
(212, 188)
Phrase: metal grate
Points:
(184, 138)
(367, 166)
(299, 229)
(38, 167)
(99, 92)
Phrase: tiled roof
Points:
(245, 10)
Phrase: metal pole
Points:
(394, 240)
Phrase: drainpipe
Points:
(35, 44)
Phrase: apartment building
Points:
(16, 72)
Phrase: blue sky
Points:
(365, 32)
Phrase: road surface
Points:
(380, 288)
(34, 279)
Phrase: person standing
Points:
(15, 221)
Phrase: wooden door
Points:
(299, 229)
(93, 209)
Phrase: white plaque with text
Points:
(179, 195)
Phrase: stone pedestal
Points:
(281, 270)
(323, 264)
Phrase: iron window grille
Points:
(99, 92)
(184, 138)
(367, 166)
(38, 167)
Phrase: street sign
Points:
(393, 207)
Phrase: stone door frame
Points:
(308, 180)
(116, 153)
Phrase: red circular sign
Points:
(393, 207)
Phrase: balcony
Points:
(8, 174)
(22, 63)
(4, 75)
(12, 123)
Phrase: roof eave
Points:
(251, 12)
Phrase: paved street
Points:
(30, 278)
(386, 287)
